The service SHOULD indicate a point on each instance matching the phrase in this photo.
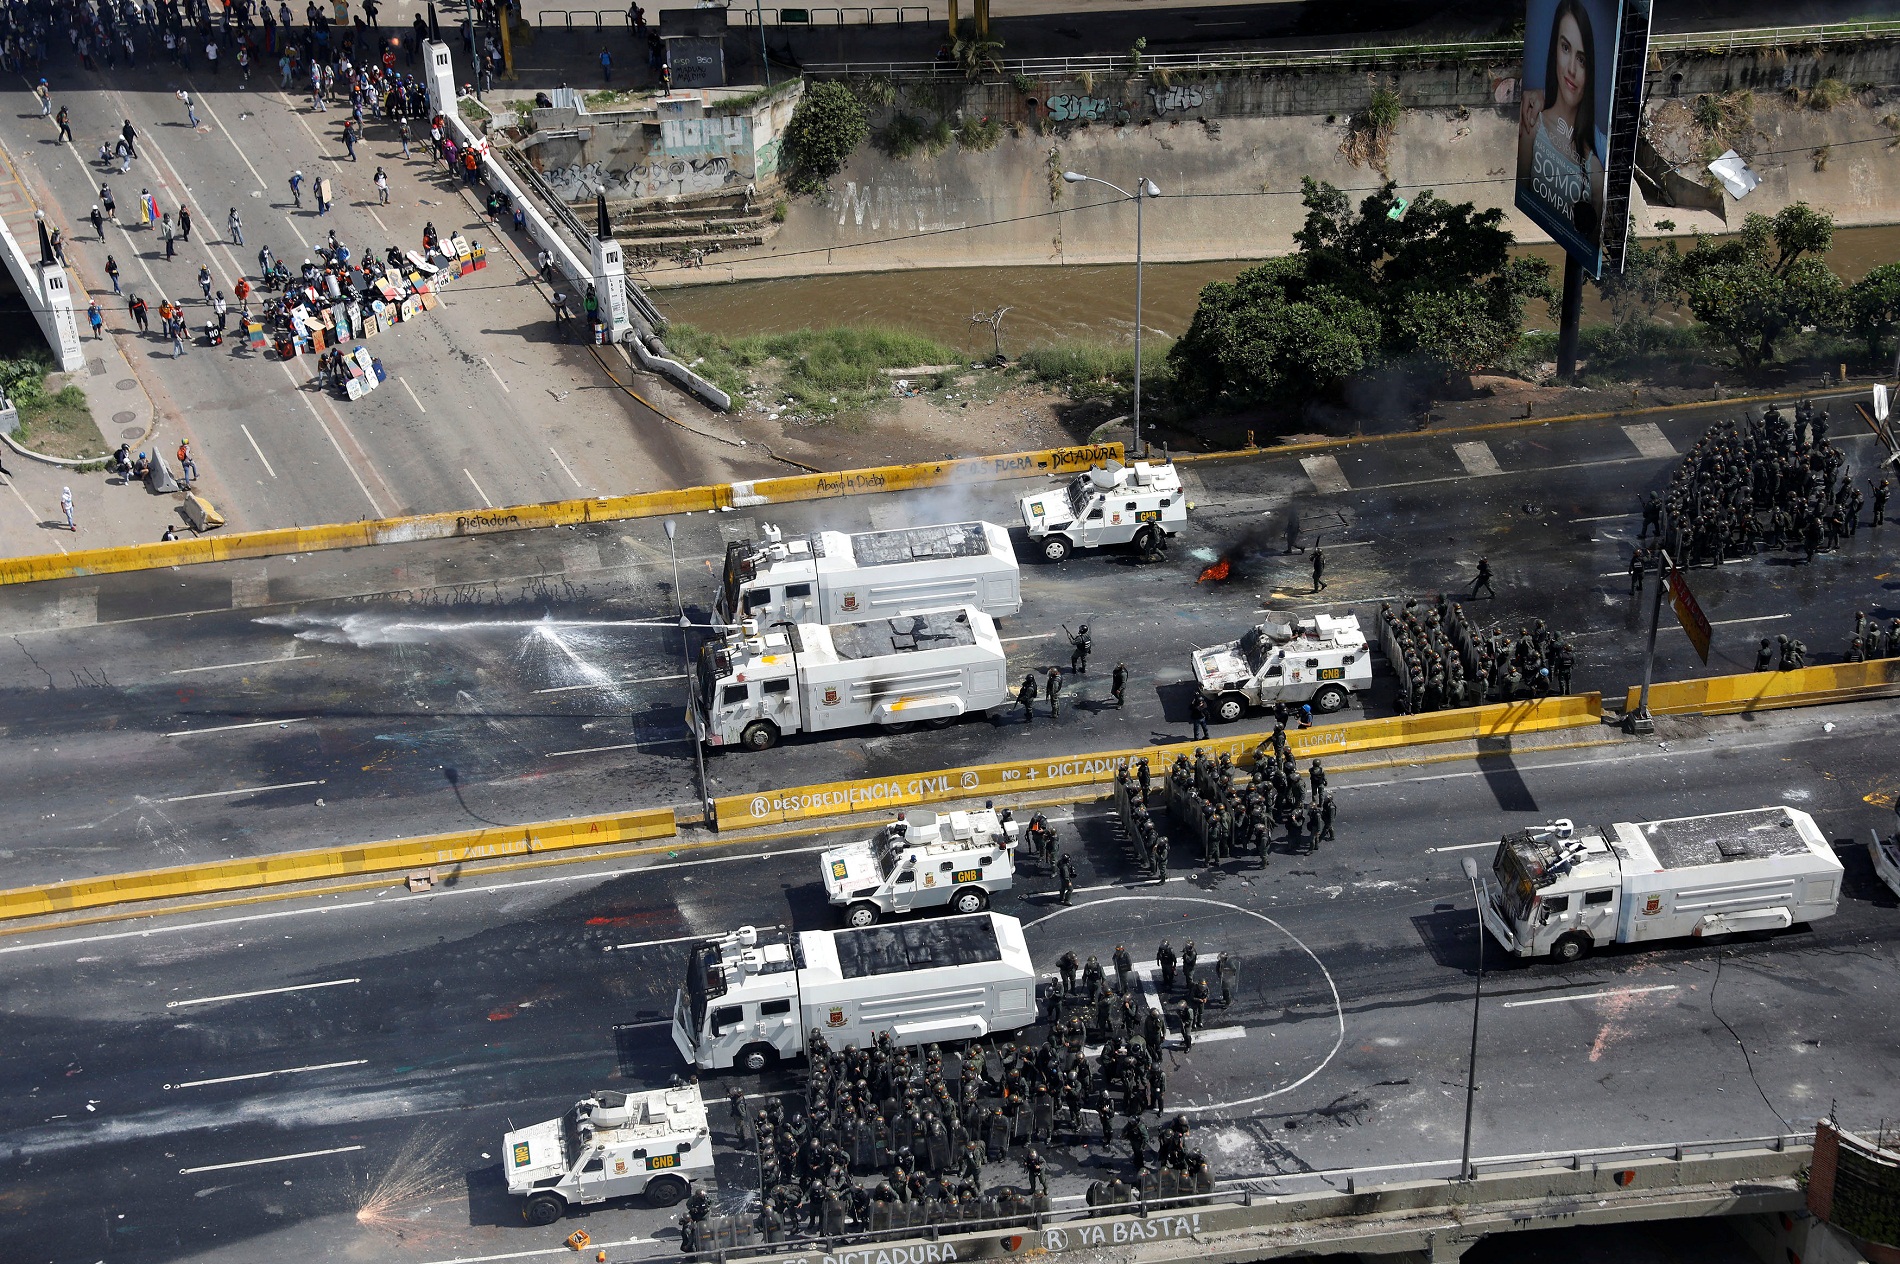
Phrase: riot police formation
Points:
(892, 1138)
(1225, 817)
(1866, 640)
(1770, 484)
(1444, 660)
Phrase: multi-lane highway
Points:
(261, 706)
(328, 1078)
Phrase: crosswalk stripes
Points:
(1477, 458)
(1650, 440)
(1325, 473)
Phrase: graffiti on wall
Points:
(660, 177)
(1068, 108)
(720, 133)
(1167, 100)
(916, 208)
(765, 161)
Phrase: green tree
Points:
(976, 54)
(1437, 282)
(1634, 295)
(1270, 333)
(1871, 308)
(827, 126)
(1771, 278)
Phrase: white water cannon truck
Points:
(756, 685)
(610, 1145)
(1140, 504)
(831, 577)
(1560, 891)
(927, 859)
(751, 997)
(1320, 660)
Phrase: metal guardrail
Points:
(869, 15)
(1368, 56)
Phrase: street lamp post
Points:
(679, 605)
(1465, 1172)
(1144, 189)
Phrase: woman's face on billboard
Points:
(1573, 74)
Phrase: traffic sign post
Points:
(1694, 622)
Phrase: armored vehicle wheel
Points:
(756, 1058)
(1230, 707)
(1057, 548)
(664, 1191)
(543, 1209)
(970, 900)
(1330, 698)
(759, 735)
(861, 914)
(1572, 947)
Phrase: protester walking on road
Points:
(131, 135)
(98, 222)
(1118, 685)
(97, 319)
(204, 281)
(140, 314)
(66, 504)
(1319, 570)
(191, 110)
(236, 226)
(1197, 715)
(65, 124)
(171, 236)
(112, 272)
(1293, 531)
(111, 207)
(382, 186)
(184, 223)
(45, 97)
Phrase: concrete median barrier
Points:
(560, 513)
(398, 856)
(1770, 691)
(844, 798)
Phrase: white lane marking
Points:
(652, 1022)
(1760, 618)
(478, 488)
(275, 1158)
(503, 385)
(245, 996)
(1650, 440)
(1542, 469)
(1606, 518)
(570, 473)
(226, 728)
(1136, 885)
(596, 750)
(379, 219)
(609, 684)
(1351, 544)
(559, 1250)
(412, 394)
(1477, 457)
(262, 187)
(255, 662)
(260, 452)
(324, 426)
(1460, 847)
(225, 794)
(652, 943)
(1325, 473)
(1590, 996)
(1211, 1033)
(265, 1075)
(31, 512)
(1037, 636)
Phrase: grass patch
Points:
(903, 136)
(473, 110)
(826, 372)
(979, 135)
(57, 424)
(1827, 94)
(746, 100)
(1101, 371)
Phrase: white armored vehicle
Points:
(610, 1145)
(751, 997)
(831, 577)
(756, 685)
(925, 860)
(1561, 891)
(1141, 504)
(1321, 660)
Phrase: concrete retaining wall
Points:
(1228, 151)
(49, 297)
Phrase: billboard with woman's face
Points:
(1563, 139)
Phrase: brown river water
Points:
(1051, 305)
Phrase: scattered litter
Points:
(1825, 728)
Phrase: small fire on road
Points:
(1217, 573)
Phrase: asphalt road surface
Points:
(329, 1078)
(485, 405)
(263, 706)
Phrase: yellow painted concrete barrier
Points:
(1769, 691)
(400, 855)
(560, 513)
(772, 807)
